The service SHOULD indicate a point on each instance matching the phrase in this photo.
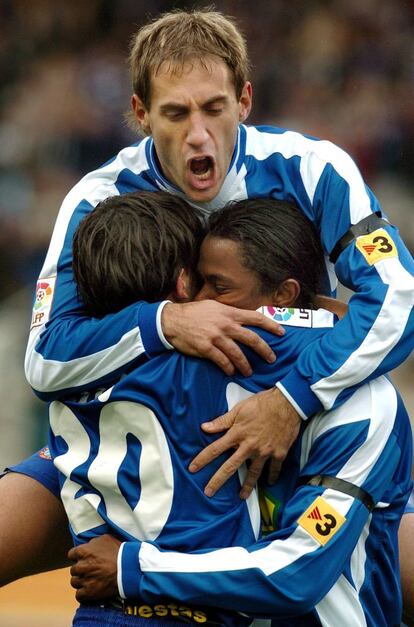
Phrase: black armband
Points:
(369, 224)
(340, 485)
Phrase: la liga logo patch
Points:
(43, 301)
(288, 315)
(281, 314)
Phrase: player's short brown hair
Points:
(132, 247)
(181, 36)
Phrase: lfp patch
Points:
(43, 301)
(321, 520)
(376, 246)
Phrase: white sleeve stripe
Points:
(159, 326)
(315, 155)
(377, 402)
(359, 557)
(274, 557)
(342, 595)
(42, 373)
(291, 400)
(383, 336)
(94, 187)
(119, 572)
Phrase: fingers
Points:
(253, 473)
(252, 340)
(78, 569)
(222, 360)
(212, 330)
(226, 354)
(221, 423)
(257, 319)
(275, 467)
(76, 553)
(211, 452)
(226, 470)
(82, 589)
(76, 582)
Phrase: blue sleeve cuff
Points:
(129, 571)
(149, 322)
(298, 392)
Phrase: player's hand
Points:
(261, 428)
(209, 329)
(94, 573)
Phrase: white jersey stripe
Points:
(376, 402)
(274, 557)
(384, 334)
(342, 595)
(290, 144)
(88, 368)
(359, 557)
(50, 374)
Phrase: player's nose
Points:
(197, 133)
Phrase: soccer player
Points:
(333, 559)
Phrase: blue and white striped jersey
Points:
(68, 351)
(123, 459)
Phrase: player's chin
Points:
(205, 193)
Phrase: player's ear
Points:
(182, 290)
(245, 101)
(287, 293)
(141, 114)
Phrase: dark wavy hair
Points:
(132, 247)
(278, 242)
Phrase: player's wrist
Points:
(169, 320)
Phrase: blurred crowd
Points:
(338, 69)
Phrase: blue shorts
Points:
(39, 466)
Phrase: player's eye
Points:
(175, 115)
(221, 289)
(215, 110)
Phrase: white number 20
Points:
(117, 419)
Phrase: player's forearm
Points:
(76, 352)
(66, 349)
(273, 578)
(375, 336)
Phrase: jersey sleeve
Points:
(67, 350)
(289, 571)
(377, 334)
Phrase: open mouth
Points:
(202, 167)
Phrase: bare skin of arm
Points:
(406, 541)
(34, 533)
